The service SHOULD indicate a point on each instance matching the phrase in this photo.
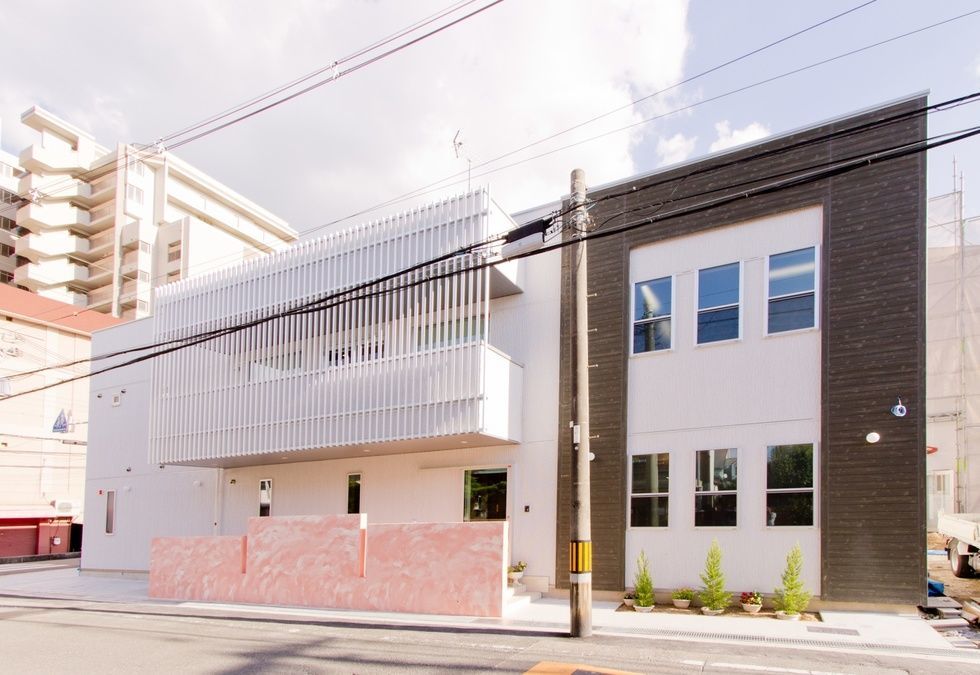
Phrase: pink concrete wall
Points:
(337, 561)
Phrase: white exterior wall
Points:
(746, 394)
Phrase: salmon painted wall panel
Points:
(339, 562)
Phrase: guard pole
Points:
(580, 544)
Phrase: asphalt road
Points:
(52, 636)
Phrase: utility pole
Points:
(580, 546)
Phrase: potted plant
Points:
(792, 598)
(629, 597)
(714, 597)
(682, 597)
(642, 585)
(751, 601)
(515, 572)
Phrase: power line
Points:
(754, 157)
(804, 177)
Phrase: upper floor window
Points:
(789, 484)
(792, 280)
(134, 194)
(137, 168)
(716, 487)
(718, 299)
(652, 315)
(650, 487)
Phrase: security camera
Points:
(899, 410)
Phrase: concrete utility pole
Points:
(580, 546)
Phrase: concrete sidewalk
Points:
(839, 631)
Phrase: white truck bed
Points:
(962, 526)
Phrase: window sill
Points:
(651, 353)
(700, 345)
(795, 331)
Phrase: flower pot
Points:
(681, 604)
(628, 601)
(707, 611)
(787, 617)
(643, 609)
(750, 608)
(515, 576)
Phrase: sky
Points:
(517, 73)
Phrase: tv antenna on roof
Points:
(457, 144)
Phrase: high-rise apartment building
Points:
(100, 227)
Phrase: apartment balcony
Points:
(52, 215)
(99, 273)
(102, 189)
(37, 159)
(35, 247)
(99, 246)
(100, 297)
(102, 217)
(50, 273)
(56, 188)
(130, 264)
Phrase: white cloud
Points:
(675, 149)
(515, 73)
(728, 137)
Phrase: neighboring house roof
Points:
(32, 307)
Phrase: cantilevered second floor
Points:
(300, 360)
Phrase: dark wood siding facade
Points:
(871, 497)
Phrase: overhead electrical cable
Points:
(804, 177)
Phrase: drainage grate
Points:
(834, 631)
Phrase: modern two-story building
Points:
(754, 316)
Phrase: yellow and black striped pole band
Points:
(579, 557)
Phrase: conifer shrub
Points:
(714, 595)
(642, 583)
(792, 597)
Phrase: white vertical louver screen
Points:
(405, 361)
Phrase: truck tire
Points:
(960, 564)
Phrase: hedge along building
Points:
(768, 332)
(742, 354)
(434, 398)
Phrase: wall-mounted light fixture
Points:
(873, 437)
(899, 410)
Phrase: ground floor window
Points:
(110, 512)
(715, 485)
(485, 494)
(353, 493)
(649, 491)
(789, 485)
(265, 497)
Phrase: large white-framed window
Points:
(485, 494)
(789, 485)
(650, 490)
(716, 488)
(792, 291)
(719, 296)
(652, 315)
(134, 195)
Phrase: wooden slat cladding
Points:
(872, 498)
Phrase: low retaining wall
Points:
(340, 562)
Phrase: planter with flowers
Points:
(682, 598)
(629, 597)
(751, 601)
(515, 572)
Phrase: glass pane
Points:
(718, 286)
(651, 299)
(648, 512)
(789, 466)
(719, 324)
(789, 508)
(651, 472)
(791, 313)
(485, 494)
(354, 493)
(110, 512)
(714, 510)
(651, 336)
(716, 470)
(791, 272)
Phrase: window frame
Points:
(110, 512)
(739, 305)
(507, 494)
(816, 294)
(716, 493)
(632, 493)
(812, 489)
(635, 322)
(360, 484)
(261, 504)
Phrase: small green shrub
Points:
(714, 595)
(642, 583)
(792, 597)
(683, 594)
